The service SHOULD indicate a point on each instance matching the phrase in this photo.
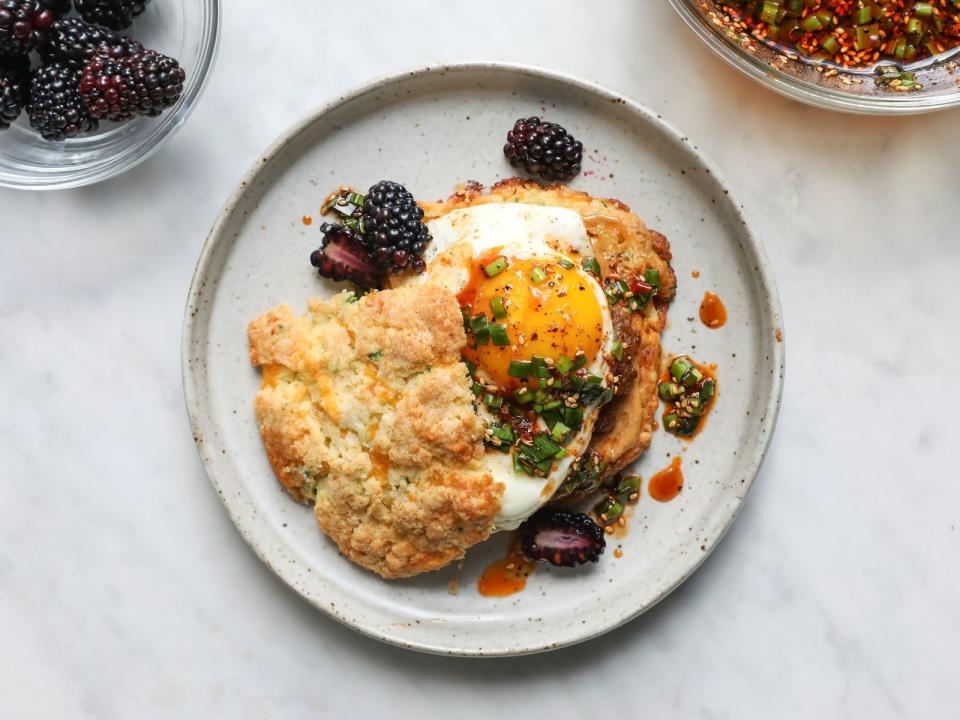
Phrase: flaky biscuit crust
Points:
(366, 413)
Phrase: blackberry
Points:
(544, 148)
(343, 256)
(23, 26)
(59, 7)
(74, 40)
(103, 88)
(562, 538)
(393, 227)
(55, 108)
(154, 81)
(114, 14)
(13, 96)
(16, 65)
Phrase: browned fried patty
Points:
(625, 248)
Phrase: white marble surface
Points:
(125, 591)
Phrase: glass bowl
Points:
(184, 29)
(823, 85)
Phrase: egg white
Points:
(520, 231)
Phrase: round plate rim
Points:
(767, 286)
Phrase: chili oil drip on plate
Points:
(689, 392)
(713, 314)
(507, 576)
(665, 485)
(307, 220)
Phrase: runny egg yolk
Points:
(550, 311)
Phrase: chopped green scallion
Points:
(498, 335)
(768, 13)
(669, 391)
(519, 368)
(478, 322)
(573, 417)
(708, 390)
(496, 267)
(544, 447)
(493, 401)
(629, 487)
(679, 368)
(502, 432)
(519, 467)
(538, 367)
(691, 378)
(608, 510)
(560, 432)
(830, 45)
(591, 265)
(523, 396)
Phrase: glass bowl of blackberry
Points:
(877, 57)
(91, 88)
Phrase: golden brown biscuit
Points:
(365, 412)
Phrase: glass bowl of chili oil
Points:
(878, 57)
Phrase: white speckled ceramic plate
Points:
(431, 129)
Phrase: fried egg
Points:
(550, 307)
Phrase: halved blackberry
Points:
(393, 227)
(114, 14)
(562, 537)
(544, 148)
(343, 256)
(155, 81)
(13, 96)
(73, 39)
(23, 26)
(55, 108)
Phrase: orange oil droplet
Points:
(667, 484)
(713, 314)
